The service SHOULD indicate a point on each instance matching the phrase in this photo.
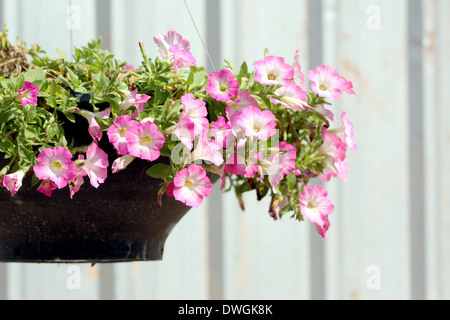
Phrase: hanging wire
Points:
(71, 30)
(200, 36)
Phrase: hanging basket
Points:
(120, 221)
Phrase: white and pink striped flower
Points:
(316, 207)
(145, 141)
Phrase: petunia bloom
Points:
(196, 110)
(181, 58)
(122, 163)
(136, 100)
(242, 101)
(333, 149)
(316, 207)
(345, 132)
(165, 42)
(257, 123)
(328, 83)
(96, 165)
(46, 187)
(145, 141)
(185, 131)
(273, 71)
(292, 97)
(13, 181)
(28, 94)
(299, 77)
(94, 128)
(191, 185)
(117, 131)
(56, 165)
(222, 85)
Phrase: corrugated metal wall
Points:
(391, 226)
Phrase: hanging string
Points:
(200, 36)
(71, 29)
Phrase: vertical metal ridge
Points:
(416, 149)
(2, 18)
(103, 25)
(215, 209)
(317, 247)
(103, 22)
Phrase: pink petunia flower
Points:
(222, 85)
(328, 83)
(340, 170)
(196, 110)
(78, 181)
(222, 132)
(242, 101)
(117, 131)
(46, 187)
(122, 163)
(241, 163)
(345, 133)
(165, 42)
(28, 94)
(273, 71)
(257, 123)
(315, 206)
(181, 58)
(136, 100)
(292, 97)
(94, 128)
(96, 165)
(56, 165)
(13, 181)
(280, 163)
(333, 149)
(191, 185)
(207, 150)
(299, 77)
(145, 141)
(185, 131)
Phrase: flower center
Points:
(57, 165)
(223, 87)
(323, 88)
(271, 77)
(122, 132)
(310, 205)
(146, 139)
(189, 183)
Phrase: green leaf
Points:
(159, 171)
(61, 54)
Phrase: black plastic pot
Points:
(120, 221)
